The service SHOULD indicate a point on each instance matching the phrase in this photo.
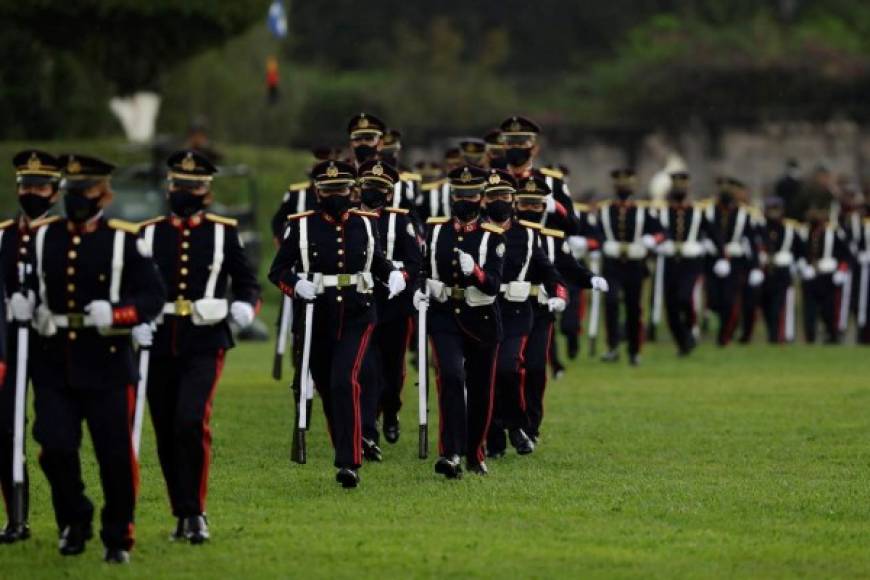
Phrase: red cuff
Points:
(405, 275)
(479, 274)
(843, 267)
(125, 316)
(2, 374)
(258, 306)
(286, 289)
(592, 243)
(561, 292)
(659, 237)
(560, 209)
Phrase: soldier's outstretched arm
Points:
(572, 270)
(282, 272)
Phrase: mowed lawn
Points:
(744, 462)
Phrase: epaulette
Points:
(705, 202)
(365, 213)
(219, 219)
(791, 222)
(531, 225)
(301, 214)
(492, 228)
(658, 204)
(128, 227)
(644, 203)
(553, 233)
(552, 173)
(298, 185)
(44, 221)
(866, 220)
(408, 176)
(151, 221)
(398, 210)
(433, 185)
(6, 223)
(438, 220)
(581, 206)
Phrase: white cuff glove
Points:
(100, 312)
(756, 277)
(666, 248)
(578, 244)
(143, 334)
(466, 262)
(305, 290)
(45, 325)
(599, 283)
(21, 307)
(808, 272)
(242, 313)
(556, 304)
(864, 257)
(396, 283)
(840, 277)
(649, 241)
(420, 298)
(550, 204)
(722, 267)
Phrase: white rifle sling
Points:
(827, 263)
(694, 229)
(217, 261)
(528, 260)
(639, 217)
(303, 245)
(605, 223)
(370, 245)
(40, 273)
(117, 267)
(473, 295)
(784, 256)
(1, 238)
(665, 218)
(433, 248)
(397, 193)
(445, 200)
(148, 240)
(300, 200)
(434, 194)
(481, 251)
(518, 290)
(391, 235)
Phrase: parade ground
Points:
(747, 462)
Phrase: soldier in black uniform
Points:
(37, 176)
(392, 334)
(432, 199)
(685, 231)
(526, 273)
(495, 150)
(781, 246)
(94, 285)
(474, 152)
(463, 270)
(329, 256)
(200, 258)
(628, 232)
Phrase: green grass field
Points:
(747, 462)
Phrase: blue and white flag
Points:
(277, 19)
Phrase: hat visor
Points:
(36, 179)
(334, 184)
(365, 133)
(466, 191)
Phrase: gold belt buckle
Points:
(183, 307)
(533, 291)
(343, 280)
(457, 293)
(75, 320)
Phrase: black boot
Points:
(521, 441)
(478, 468)
(114, 556)
(14, 533)
(573, 346)
(73, 539)
(449, 467)
(196, 529)
(347, 477)
(178, 534)
(634, 360)
(391, 428)
(610, 356)
(496, 442)
(371, 451)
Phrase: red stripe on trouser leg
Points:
(409, 332)
(206, 432)
(438, 392)
(134, 462)
(479, 453)
(731, 324)
(521, 369)
(357, 389)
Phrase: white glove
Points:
(600, 283)
(550, 204)
(466, 262)
(649, 241)
(666, 248)
(839, 278)
(578, 244)
(21, 307)
(45, 325)
(864, 257)
(420, 298)
(808, 272)
(143, 334)
(722, 267)
(556, 304)
(305, 290)
(100, 312)
(756, 277)
(242, 313)
(396, 283)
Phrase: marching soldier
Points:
(407, 187)
(332, 257)
(201, 260)
(434, 196)
(686, 231)
(782, 245)
(751, 297)
(474, 152)
(37, 176)
(94, 285)
(495, 150)
(463, 269)
(628, 232)
(392, 334)
(527, 272)
(863, 297)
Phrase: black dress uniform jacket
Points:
(402, 248)
(298, 198)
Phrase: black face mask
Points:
(373, 198)
(623, 193)
(499, 211)
(364, 152)
(79, 208)
(678, 195)
(335, 205)
(498, 163)
(517, 157)
(726, 197)
(185, 203)
(465, 210)
(34, 205)
(390, 158)
(530, 216)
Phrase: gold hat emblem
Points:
(332, 170)
(531, 186)
(515, 125)
(494, 178)
(33, 163)
(378, 169)
(73, 166)
(465, 177)
(188, 164)
(363, 122)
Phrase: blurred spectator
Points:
(819, 188)
(788, 188)
(198, 140)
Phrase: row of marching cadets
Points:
(94, 307)
(485, 261)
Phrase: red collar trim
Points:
(460, 227)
